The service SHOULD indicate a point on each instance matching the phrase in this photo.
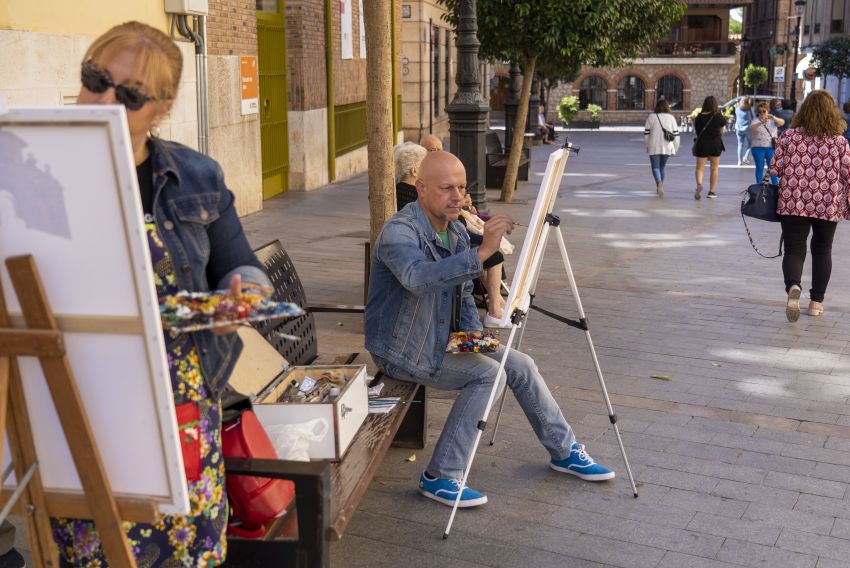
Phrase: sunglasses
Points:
(98, 81)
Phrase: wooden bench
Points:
(327, 494)
(497, 162)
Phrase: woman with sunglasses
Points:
(812, 161)
(196, 243)
(764, 131)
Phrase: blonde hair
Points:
(818, 116)
(158, 63)
(407, 156)
(746, 103)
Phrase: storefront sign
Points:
(250, 84)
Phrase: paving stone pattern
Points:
(742, 457)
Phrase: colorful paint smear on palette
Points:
(466, 342)
(195, 311)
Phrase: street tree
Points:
(832, 57)
(561, 36)
(377, 16)
(755, 75)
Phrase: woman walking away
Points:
(743, 119)
(660, 125)
(139, 67)
(708, 145)
(812, 160)
(765, 131)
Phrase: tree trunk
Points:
(512, 168)
(377, 19)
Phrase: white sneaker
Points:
(493, 321)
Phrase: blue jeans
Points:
(763, 156)
(657, 163)
(745, 141)
(473, 374)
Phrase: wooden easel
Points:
(42, 338)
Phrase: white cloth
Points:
(762, 133)
(654, 137)
(474, 224)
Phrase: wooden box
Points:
(344, 416)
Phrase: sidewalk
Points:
(742, 456)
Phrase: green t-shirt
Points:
(444, 236)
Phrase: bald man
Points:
(431, 143)
(420, 290)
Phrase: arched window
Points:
(593, 90)
(630, 93)
(671, 87)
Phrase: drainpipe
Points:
(329, 74)
(198, 35)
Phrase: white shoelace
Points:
(584, 456)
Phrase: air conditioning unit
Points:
(187, 7)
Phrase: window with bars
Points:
(435, 79)
(672, 89)
(630, 93)
(836, 26)
(448, 70)
(593, 90)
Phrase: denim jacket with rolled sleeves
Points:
(413, 280)
(196, 219)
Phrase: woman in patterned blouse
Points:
(813, 161)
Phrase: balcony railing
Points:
(695, 49)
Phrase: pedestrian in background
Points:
(708, 145)
(660, 125)
(765, 131)
(406, 159)
(783, 109)
(743, 119)
(813, 163)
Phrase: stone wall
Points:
(700, 77)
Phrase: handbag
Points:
(694, 147)
(668, 136)
(760, 201)
(253, 500)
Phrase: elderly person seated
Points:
(406, 159)
(431, 143)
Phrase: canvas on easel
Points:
(69, 197)
(529, 256)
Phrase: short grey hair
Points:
(406, 156)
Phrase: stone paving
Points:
(742, 457)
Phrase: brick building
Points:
(695, 59)
(308, 126)
(820, 20)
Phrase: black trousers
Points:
(795, 231)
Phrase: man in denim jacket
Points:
(420, 291)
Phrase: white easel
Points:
(520, 315)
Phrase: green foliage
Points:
(832, 57)
(755, 75)
(736, 25)
(568, 108)
(595, 111)
(564, 35)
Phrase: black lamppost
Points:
(745, 43)
(799, 5)
(467, 112)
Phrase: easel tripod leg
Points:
(481, 425)
(611, 416)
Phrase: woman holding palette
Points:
(196, 244)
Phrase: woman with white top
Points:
(659, 126)
(765, 132)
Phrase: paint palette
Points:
(195, 311)
(466, 342)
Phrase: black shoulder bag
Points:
(760, 202)
(668, 136)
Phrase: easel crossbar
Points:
(31, 342)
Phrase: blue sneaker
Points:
(580, 464)
(445, 492)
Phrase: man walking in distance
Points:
(420, 291)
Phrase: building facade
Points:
(769, 41)
(820, 20)
(306, 125)
(695, 59)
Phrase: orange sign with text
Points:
(250, 84)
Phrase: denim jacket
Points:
(414, 282)
(195, 218)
